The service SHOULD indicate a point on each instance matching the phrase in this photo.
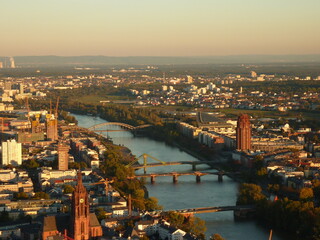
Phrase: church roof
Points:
(93, 220)
(49, 224)
(56, 223)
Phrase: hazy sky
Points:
(159, 27)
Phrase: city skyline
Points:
(159, 28)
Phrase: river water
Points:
(187, 193)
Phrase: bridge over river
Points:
(240, 208)
(176, 175)
(193, 163)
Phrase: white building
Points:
(11, 153)
(52, 175)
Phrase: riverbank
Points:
(187, 193)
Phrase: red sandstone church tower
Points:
(80, 212)
(83, 224)
(243, 133)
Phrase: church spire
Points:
(80, 229)
(79, 175)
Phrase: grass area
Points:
(309, 115)
(230, 112)
(233, 113)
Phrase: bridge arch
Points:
(124, 125)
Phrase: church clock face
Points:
(81, 200)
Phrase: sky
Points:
(159, 27)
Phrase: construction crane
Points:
(104, 181)
(50, 109)
(129, 202)
(28, 108)
(56, 109)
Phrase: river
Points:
(187, 193)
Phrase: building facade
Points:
(63, 157)
(11, 153)
(243, 133)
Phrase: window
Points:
(82, 227)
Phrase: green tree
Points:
(197, 226)
(258, 162)
(306, 194)
(176, 219)
(83, 165)
(249, 194)
(41, 195)
(67, 189)
(74, 165)
(30, 164)
(4, 217)
(101, 213)
(152, 204)
(20, 195)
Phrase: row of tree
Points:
(300, 218)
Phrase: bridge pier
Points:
(220, 177)
(198, 178)
(153, 179)
(194, 167)
(175, 178)
(144, 170)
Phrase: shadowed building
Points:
(63, 157)
(52, 128)
(243, 133)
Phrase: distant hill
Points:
(106, 60)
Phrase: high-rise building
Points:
(36, 125)
(21, 88)
(63, 157)
(7, 85)
(12, 64)
(243, 132)
(254, 74)
(51, 128)
(189, 79)
(11, 153)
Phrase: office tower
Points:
(21, 88)
(51, 128)
(11, 153)
(243, 132)
(7, 85)
(63, 157)
(12, 64)
(189, 79)
(254, 74)
(36, 125)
